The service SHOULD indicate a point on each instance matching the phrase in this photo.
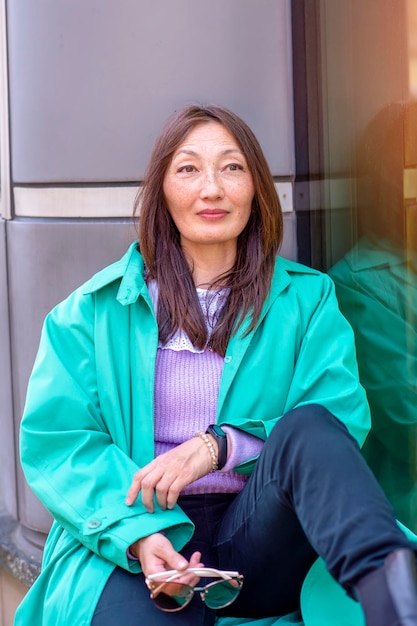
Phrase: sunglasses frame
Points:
(170, 576)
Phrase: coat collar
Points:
(129, 269)
(370, 255)
(373, 254)
(284, 269)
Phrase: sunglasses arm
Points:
(206, 572)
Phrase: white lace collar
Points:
(211, 302)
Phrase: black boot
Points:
(388, 595)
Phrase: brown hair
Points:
(384, 152)
(250, 278)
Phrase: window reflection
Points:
(376, 283)
(412, 46)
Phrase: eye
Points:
(233, 167)
(186, 168)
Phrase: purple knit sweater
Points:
(186, 392)
(187, 384)
(185, 402)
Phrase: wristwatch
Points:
(220, 436)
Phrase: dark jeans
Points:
(311, 493)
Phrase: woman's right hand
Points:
(156, 554)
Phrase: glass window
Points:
(363, 174)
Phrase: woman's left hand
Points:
(169, 473)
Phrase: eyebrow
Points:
(224, 153)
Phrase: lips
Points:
(212, 214)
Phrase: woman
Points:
(204, 325)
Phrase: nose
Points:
(212, 186)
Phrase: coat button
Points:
(227, 359)
(95, 523)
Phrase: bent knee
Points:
(309, 420)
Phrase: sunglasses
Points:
(171, 596)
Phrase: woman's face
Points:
(209, 190)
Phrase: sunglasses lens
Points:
(171, 596)
(222, 593)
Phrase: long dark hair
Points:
(385, 151)
(249, 280)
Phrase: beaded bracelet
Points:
(211, 450)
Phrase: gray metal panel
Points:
(91, 81)
(47, 260)
(7, 473)
(289, 244)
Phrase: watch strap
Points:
(221, 438)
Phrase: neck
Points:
(209, 264)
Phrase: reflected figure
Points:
(376, 284)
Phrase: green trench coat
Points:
(88, 420)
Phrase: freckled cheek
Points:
(176, 199)
(243, 193)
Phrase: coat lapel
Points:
(240, 341)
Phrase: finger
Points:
(173, 559)
(156, 483)
(145, 482)
(147, 494)
(138, 479)
(192, 579)
(169, 488)
(134, 488)
(195, 560)
(168, 491)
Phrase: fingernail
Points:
(182, 564)
(128, 500)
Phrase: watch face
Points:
(217, 430)
(221, 438)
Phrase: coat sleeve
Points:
(69, 456)
(302, 353)
(326, 370)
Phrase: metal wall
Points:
(91, 80)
